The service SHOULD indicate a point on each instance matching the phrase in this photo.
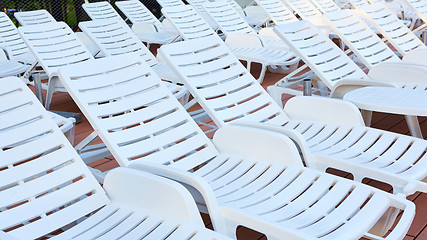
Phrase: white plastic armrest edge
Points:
(142, 27)
(244, 40)
(144, 190)
(295, 136)
(258, 143)
(192, 180)
(325, 110)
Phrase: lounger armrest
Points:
(256, 143)
(268, 32)
(321, 109)
(402, 227)
(193, 182)
(344, 86)
(142, 27)
(400, 73)
(417, 56)
(243, 40)
(254, 10)
(295, 136)
(137, 188)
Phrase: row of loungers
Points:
(264, 169)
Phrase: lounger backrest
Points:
(323, 56)
(188, 22)
(277, 11)
(232, 3)
(136, 12)
(135, 115)
(304, 8)
(9, 37)
(358, 3)
(326, 5)
(228, 19)
(44, 185)
(364, 42)
(34, 17)
(392, 28)
(54, 45)
(170, 3)
(198, 4)
(419, 7)
(214, 75)
(115, 38)
(100, 11)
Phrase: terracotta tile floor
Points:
(395, 123)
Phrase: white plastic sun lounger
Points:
(277, 11)
(12, 42)
(138, 14)
(334, 68)
(47, 192)
(253, 15)
(17, 59)
(334, 131)
(54, 45)
(326, 5)
(397, 8)
(233, 25)
(36, 17)
(397, 34)
(191, 25)
(146, 33)
(368, 47)
(115, 38)
(258, 184)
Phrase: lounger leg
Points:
(367, 117)
(262, 73)
(50, 91)
(414, 126)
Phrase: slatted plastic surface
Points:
(228, 93)
(198, 4)
(138, 118)
(136, 12)
(115, 38)
(228, 19)
(319, 52)
(392, 28)
(358, 3)
(304, 8)
(54, 45)
(233, 4)
(367, 46)
(34, 17)
(100, 10)
(44, 185)
(419, 7)
(170, 3)
(224, 84)
(10, 38)
(188, 22)
(327, 5)
(277, 11)
(136, 115)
